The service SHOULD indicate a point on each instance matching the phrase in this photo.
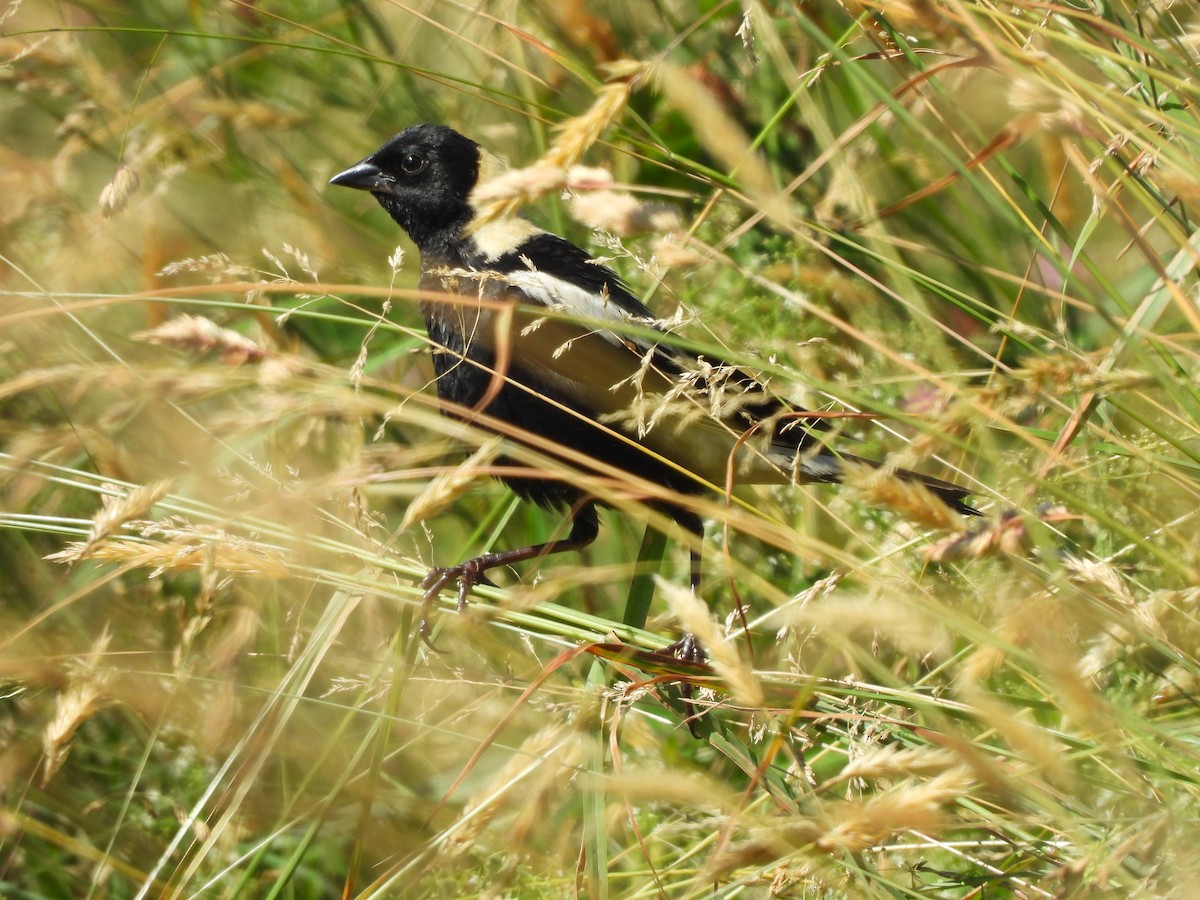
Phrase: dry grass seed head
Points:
(116, 511)
(866, 619)
(80, 384)
(217, 266)
(1030, 744)
(115, 195)
(912, 806)
(577, 135)
(879, 762)
(853, 826)
(520, 185)
(846, 201)
(1166, 616)
(35, 379)
(548, 784)
(1006, 535)
(1102, 575)
(550, 172)
(690, 790)
(1057, 374)
(84, 695)
(1023, 618)
(912, 499)
(1051, 627)
(202, 335)
(767, 846)
(670, 251)
(209, 548)
(449, 486)
(623, 214)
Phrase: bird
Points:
(534, 335)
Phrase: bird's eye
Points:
(412, 163)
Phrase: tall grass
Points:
(223, 471)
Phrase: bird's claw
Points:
(467, 574)
(688, 649)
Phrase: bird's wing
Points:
(689, 410)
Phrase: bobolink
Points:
(615, 394)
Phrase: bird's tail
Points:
(825, 466)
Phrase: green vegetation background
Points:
(222, 472)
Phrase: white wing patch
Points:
(556, 293)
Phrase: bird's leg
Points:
(585, 525)
(687, 648)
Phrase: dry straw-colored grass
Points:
(222, 474)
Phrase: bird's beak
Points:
(365, 176)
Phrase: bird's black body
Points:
(528, 400)
(610, 394)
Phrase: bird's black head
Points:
(423, 178)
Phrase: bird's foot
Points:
(688, 649)
(467, 574)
